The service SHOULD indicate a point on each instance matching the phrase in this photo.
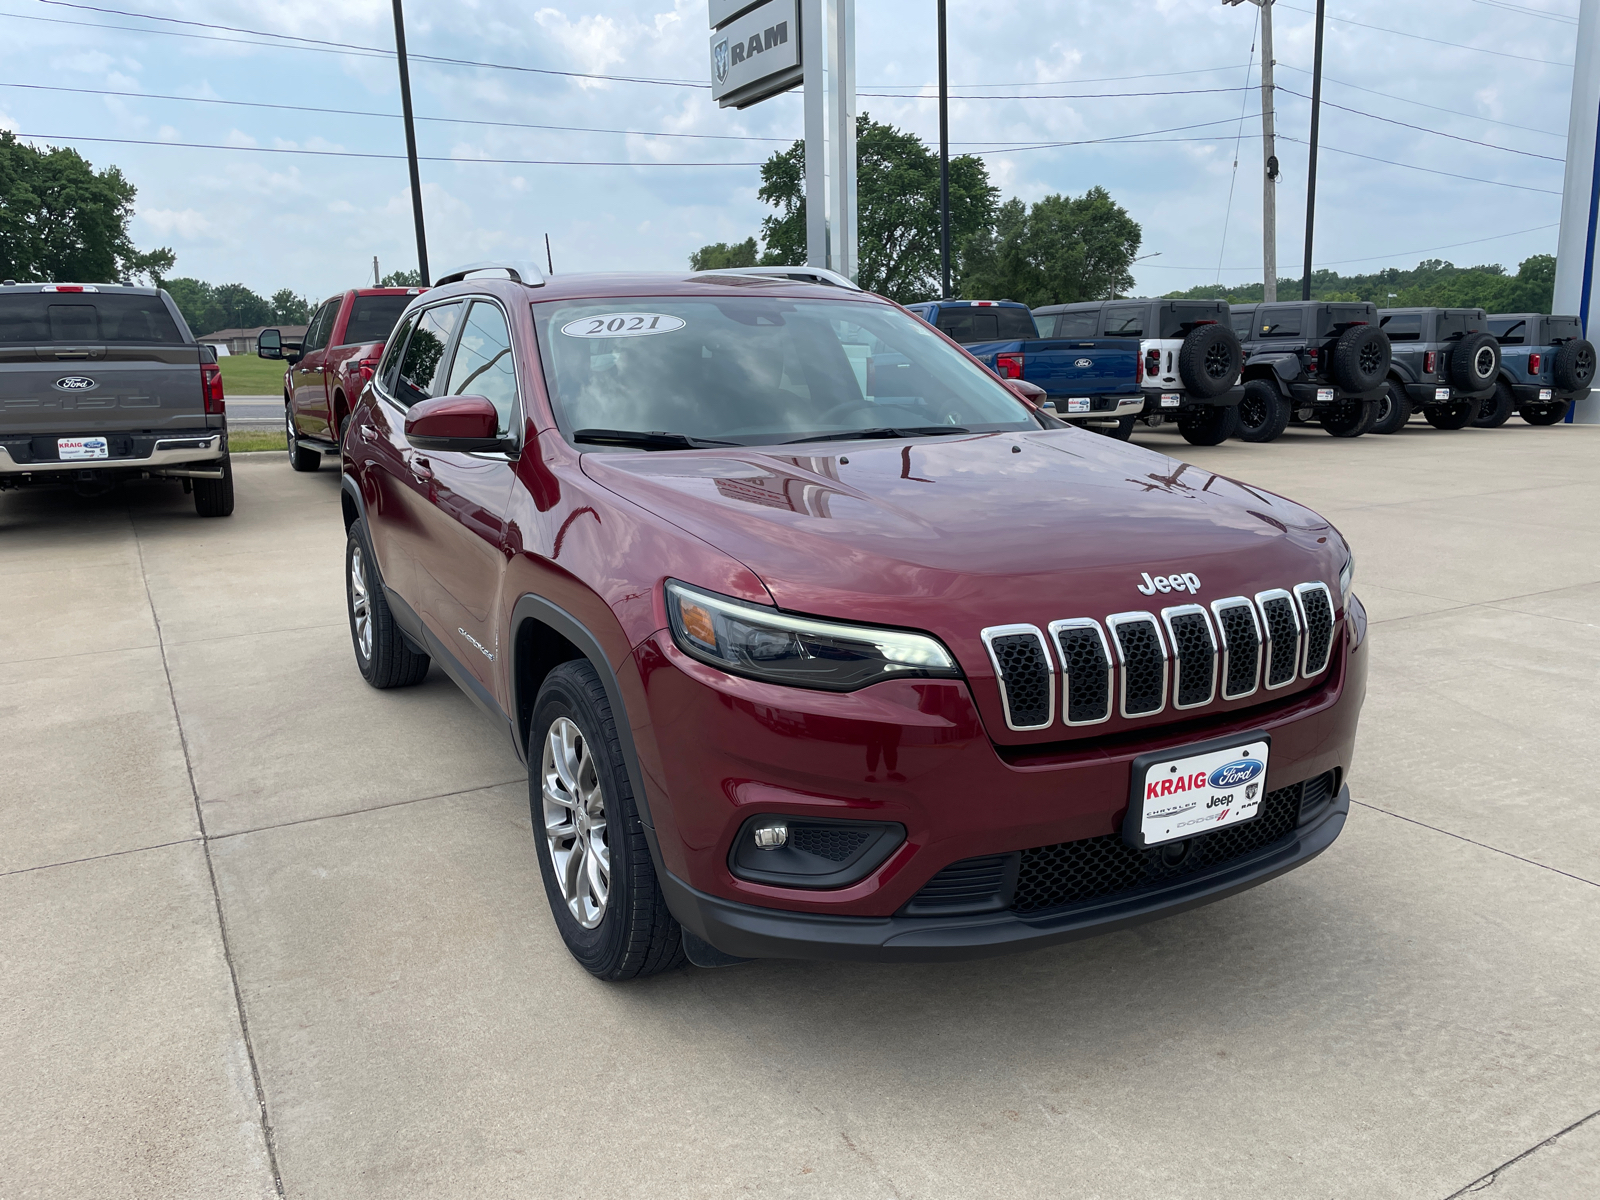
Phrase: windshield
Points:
(757, 371)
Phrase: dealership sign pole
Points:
(1576, 292)
(761, 49)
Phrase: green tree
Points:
(402, 279)
(1061, 250)
(240, 308)
(897, 201)
(718, 255)
(289, 309)
(61, 219)
(1432, 283)
(197, 301)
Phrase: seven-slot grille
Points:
(1138, 662)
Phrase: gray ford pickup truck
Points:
(101, 383)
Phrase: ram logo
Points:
(719, 60)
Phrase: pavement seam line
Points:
(356, 812)
(1389, 812)
(1484, 1181)
(97, 857)
(211, 872)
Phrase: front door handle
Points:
(368, 433)
(421, 467)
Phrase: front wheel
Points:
(1263, 413)
(1494, 411)
(1208, 426)
(1449, 416)
(214, 497)
(598, 876)
(1394, 410)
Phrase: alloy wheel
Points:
(575, 822)
(1483, 363)
(360, 603)
(1218, 360)
(288, 432)
(1370, 358)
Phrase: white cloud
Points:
(189, 223)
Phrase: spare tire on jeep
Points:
(1574, 365)
(1475, 362)
(1210, 360)
(1361, 358)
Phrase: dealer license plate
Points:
(75, 449)
(1325, 394)
(1441, 393)
(1171, 399)
(1077, 404)
(1546, 393)
(1178, 795)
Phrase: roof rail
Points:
(798, 274)
(523, 272)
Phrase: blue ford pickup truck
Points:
(1092, 382)
(1545, 364)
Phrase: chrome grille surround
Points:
(1281, 654)
(1233, 651)
(1183, 621)
(1002, 640)
(1316, 618)
(1133, 657)
(1069, 637)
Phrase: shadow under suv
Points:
(809, 657)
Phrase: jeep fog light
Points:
(806, 852)
(771, 836)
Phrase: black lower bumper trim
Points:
(749, 931)
(1528, 393)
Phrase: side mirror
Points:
(1030, 394)
(460, 423)
(269, 344)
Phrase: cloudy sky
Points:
(1490, 74)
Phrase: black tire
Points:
(1495, 410)
(633, 934)
(214, 497)
(1122, 430)
(1573, 368)
(1543, 414)
(1263, 414)
(1449, 416)
(1475, 362)
(383, 655)
(1348, 418)
(1209, 425)
(1394, 410)
(1209, 361)
(299, 459)
(1361, 358)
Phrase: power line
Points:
(1522, 187)
(1120, 137)
(1522, 10)
(1066, 95)
(1425, 129)
(1375, 257)
(1424, 104)
(1436, 41)
(1062, 82)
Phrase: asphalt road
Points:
(255, 412)
(264, 923)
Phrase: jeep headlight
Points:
(762, 643)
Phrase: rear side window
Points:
(1077, 324)
(1403, 327)
(424, 352)
(42, 318)
(987, 324)
(1279, 322)
(1125, 322)
(1174, 317)
(483, 364)
(1046, 325)
(1452, 325)
(373, 317)
(1560, 328)
(1511, 331)
(1244, 323)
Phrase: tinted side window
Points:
(424, 353)
(1244, 323)
(1174, 317)
(483, 365)
(1046, 324)
(317, 332)
(391, 355)
(1512, 331)
(1125, 322)
(1077, 325)
(1406, 327)
(1279, 322)
(1451, 325)
(1560, 328)
(372, 317)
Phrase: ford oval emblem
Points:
(1084, 362)
(76, 383)
(1239, 771)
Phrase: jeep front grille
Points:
(1138, 663)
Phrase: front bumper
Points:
(164, 453)
(746, 931)
(1171, 402)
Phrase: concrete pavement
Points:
(267, 927)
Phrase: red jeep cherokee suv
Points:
(818, 642)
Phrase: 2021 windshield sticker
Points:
(620, 325)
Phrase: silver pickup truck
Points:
(101, 383)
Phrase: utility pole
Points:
(1269, 160)
(944, 163)
(411, 142)
(375, 276)
(1311, 169)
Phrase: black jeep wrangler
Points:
(1445, 362)
(1310, 360)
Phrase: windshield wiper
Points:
(882, 431)
(651, 440)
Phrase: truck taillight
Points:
(1533, 363)
(1008, 366)
(1429, 361)
(1152, 363)
(1138, 370)
(1313, 357)
(211, 386)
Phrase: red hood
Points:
(956, 534)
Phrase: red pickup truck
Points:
(329, 368)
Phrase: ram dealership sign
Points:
(755, 51)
